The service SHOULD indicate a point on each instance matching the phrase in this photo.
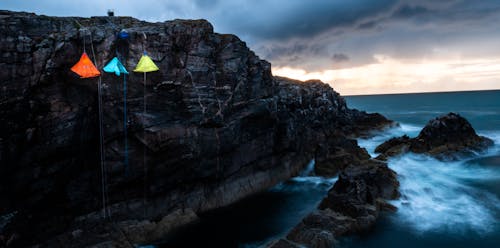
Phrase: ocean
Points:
(443, 204)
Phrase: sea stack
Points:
(446, 137)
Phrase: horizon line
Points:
(422, 92)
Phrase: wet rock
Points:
(359, 187)
(283, 243)
(336, 154)
(145, 231)
(321, 226)
(393, 145)
(446, 137)
(351, 206)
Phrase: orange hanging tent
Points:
(85, 68)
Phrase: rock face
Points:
(218, 126)
(352, 206)
(445, 137)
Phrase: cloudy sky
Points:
(357, 46)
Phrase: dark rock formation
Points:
(218, 126)
(445, 137)
(352, 205)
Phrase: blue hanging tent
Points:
(123, 34)
(116, 67)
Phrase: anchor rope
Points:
(125, 122)
(145, 147)
(144, 133)
(104, 172)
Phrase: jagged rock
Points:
(391, 143)
(145, 231)
(322, 225)
(218, 126)
(283, 243)
(445, 137)
(359, 187)
(352, 205)
(336, 154)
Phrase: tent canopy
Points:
(115, 66)
(85, 68)
(123, 34)
(146, 65)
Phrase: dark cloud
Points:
(339, 57)
(284, 19)
(310, 34)
(407, 11)
(367, 25)
(402, 30)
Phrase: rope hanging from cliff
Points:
(104, 170)
(85, 68)
(116, 67)
(145, 189)
(125, 122)
(145, 65)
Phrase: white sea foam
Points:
(309, 170)
(314, 180)
(495, 136)
(442, 196)
(305, 178)
(371, 143)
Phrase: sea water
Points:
(258, 219)
(443, 204)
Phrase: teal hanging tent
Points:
(116, 67)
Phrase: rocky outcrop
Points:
(352, 206)
(218, 126)
(446, 137)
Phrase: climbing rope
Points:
(104, 172)
(125, 124)
(145, 146)
(87, 69)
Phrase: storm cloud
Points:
(318, 35)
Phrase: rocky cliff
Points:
(218, 126)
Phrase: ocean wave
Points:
(420, 112)
(305, 180)
(303, 183)
(371, 143)
(444, 196)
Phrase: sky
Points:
(357, 46)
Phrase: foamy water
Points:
(443, 197)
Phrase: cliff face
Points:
(218, 126)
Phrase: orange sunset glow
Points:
(389, 75)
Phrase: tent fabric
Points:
(85, 68)
(123, 34)
(115, 66)
(146, 65)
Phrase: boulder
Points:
(446, 137)
(351, 206)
